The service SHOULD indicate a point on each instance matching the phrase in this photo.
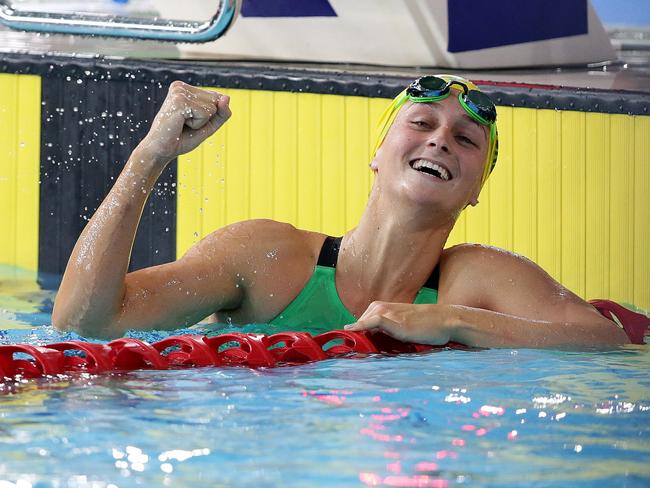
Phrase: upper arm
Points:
(185, 291)
(500, 281)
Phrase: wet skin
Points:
(487, 297)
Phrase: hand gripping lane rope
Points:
(233, 349)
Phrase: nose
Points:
(439, 138)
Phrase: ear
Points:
(473, 201)
(374, 165)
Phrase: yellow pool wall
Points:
(20, 124)
(577, 201)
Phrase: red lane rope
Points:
(188, 351)
(233, 349)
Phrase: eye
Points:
(465, 140)
(422, 124)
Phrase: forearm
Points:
(438, 324)
(485, 328)
(93, 285)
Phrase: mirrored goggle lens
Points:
(483, 105)
(432, 83)
(427, 86)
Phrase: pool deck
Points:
(601, 76)
(630, 72)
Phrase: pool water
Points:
(481, 418)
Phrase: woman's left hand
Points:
(424, 324)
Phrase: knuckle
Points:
(177, 85)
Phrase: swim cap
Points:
(388, 117)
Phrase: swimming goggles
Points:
(433, 89)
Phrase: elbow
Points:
(61, 320)
(59, 324)
(65, 321)
(66, 318)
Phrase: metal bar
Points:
(119, 26)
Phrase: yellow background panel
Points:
(524, 183)
(309, 156)
(549, 190)
(500, 184)
(20, 123)
(597, 182)
(572, 200)
(570, 190)
(641, 221)
(621, 236)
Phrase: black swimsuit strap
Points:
(434, 278)
(329, 254)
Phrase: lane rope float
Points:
(234, 349)
(189, 351)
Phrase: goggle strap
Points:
(428, 99)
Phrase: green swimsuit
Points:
(318, 308)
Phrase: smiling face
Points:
(433, 153)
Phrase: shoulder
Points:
(480, 276)
(248, 229)
(259, 251)
(252, 237)
(482, 256)
(270, 261)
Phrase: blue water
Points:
(490, 418)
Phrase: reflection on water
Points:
(420, 420)
(23, 304)
(488, 418)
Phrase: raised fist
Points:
(188, 116)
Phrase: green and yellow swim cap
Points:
(430, 89)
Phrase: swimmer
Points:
(390, 273)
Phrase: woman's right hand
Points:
(188, 116)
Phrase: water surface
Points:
(483, 418)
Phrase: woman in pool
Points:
(391, 272)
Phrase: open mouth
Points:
(431, 168)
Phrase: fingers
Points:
(404, 322)
(378, 308)
(365, 324)
(189, 115)
(376, 316)
(223, 107)
(222, 114)
(197, 106)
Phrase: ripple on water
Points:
(485, 418)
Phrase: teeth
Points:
(423, 163)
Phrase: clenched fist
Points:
(188, 116)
